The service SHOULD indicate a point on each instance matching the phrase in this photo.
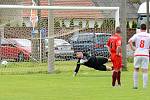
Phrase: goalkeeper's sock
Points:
(114, 76)
(135, 79)
(145, 79)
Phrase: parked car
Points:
(16, 49)
(62, 49)
(94, 43)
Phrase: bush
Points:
(108, 23)
(71, 23)
(8, 24)
(128, 26)
(96, 24)
(56, 23)
(23, 24)
(80, 24)
(134, 24)
(87, 23)
(63, 23)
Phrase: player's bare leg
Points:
(135, 78)
(145, 77)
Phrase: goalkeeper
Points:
(96, 62)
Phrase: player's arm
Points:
(131, 45)
(79, 55)
(118, 50)
(131, 40)
(108, 46)
(77, 68)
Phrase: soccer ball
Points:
(4, 62)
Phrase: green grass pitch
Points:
(89, 84)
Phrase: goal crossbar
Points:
(58, 7)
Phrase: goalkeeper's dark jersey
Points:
(92, 62)
(96, 62)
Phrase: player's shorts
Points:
(117, 61)
(141, 61)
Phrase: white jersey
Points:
(142, 43)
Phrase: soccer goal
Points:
(35, 37)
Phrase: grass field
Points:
(60, 85)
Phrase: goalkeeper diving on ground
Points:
(96, 62)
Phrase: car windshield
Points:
(60, 41)
(85, 37)
(57, 42)
(23, 42)
(7, 41)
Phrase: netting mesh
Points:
(24, 48)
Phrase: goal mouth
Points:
(55, 33)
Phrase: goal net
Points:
(37, 38)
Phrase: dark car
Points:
(94, 43)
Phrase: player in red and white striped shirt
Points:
(141, 54)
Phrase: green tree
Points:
(17, 25)
(8, 24)
(23, 24)
(95, 24)
(45, 22)
(108, 23)
(135, 1)
(35, 1)
(87, 23)
(71, 22)
(63, 23)
(134, 24)
(56, 23)
(80, 23)
(128, 26)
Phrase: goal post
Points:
(66, 32)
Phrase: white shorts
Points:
(141, 61)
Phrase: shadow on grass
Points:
(93, 76)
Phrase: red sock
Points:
(114, 77)
(118, 77)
